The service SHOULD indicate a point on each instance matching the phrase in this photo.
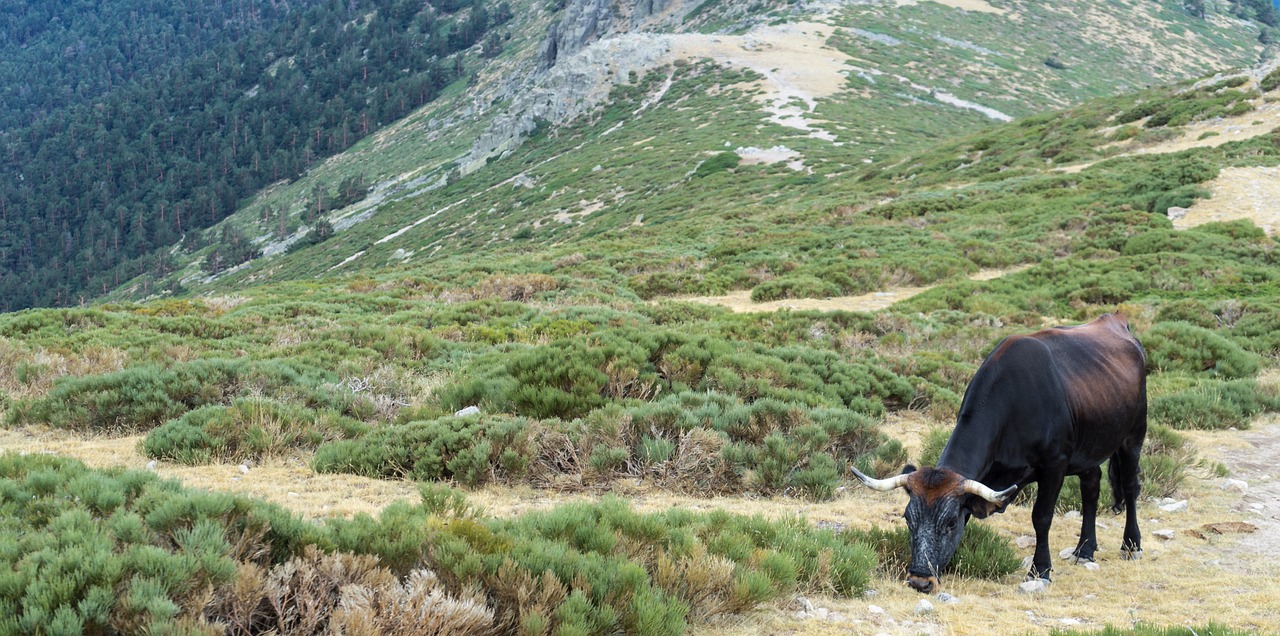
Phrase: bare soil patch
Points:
(797, 65)
(1239, 193)
(980, 6)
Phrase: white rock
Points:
(1164, 534)
(151, 465)
(822, 613)
(1026, 562)
(1070, 622)
(836, 617)
(1167, 500)
(244, 469)
(1256, 506)
(924, 607)
(1067, 553)
(805, 604)
(943, 597)
(1032, 587)
(470, 410)
(293, 494)
(875, 609)
(1235, 485)
(871, 593)
(802, 615)
(1071, 514)
(1092, 566)
(1024, 541)
(1177, 506)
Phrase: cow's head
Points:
(941, 503)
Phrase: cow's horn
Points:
(978, 488)
(880, 484)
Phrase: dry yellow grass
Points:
(740, 301)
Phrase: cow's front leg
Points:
(1090, 489)
(1048, 487)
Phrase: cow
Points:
(1042, 406)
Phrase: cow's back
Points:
(1072, 394)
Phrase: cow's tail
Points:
(1117, 483)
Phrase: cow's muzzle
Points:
(922, 584)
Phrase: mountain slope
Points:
(825, 90)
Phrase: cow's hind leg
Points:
(1090, 489)
(1127, 471)
(1048, 487)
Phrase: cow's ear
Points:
(981, 508)
(908, 469)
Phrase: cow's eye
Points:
(951, 524)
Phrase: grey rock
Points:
(151, 465)
(1235, 485)
(1067, 553)
(1177, 506)
(1035, 586)
(1164, 534)
(943, 597)
(470, 410)
(875, 609)
(1092, 566)
(805, 604)
(1025, 541)
(924, 607)
(1071, 514)
(822, 613)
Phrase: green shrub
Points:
(1178, 346)
(935, 439)
(119, 552)
(719, 162)
(249, 428)
(142, 398)
(468, 449)
(1214, 404)
(982, 552)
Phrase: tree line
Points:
(90, 191)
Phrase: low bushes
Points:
(249, 428)
(141, 398)
(982, 553)
(569, 378)
(700, 442)
(1214, 404)
(1180, 346)
(90, 551)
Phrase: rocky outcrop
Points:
(582, 23)
(577, 84)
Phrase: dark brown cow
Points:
(1042, 406)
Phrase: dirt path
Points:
(740, 301)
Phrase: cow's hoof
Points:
(1130, 555)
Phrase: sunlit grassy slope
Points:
(902, 78)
